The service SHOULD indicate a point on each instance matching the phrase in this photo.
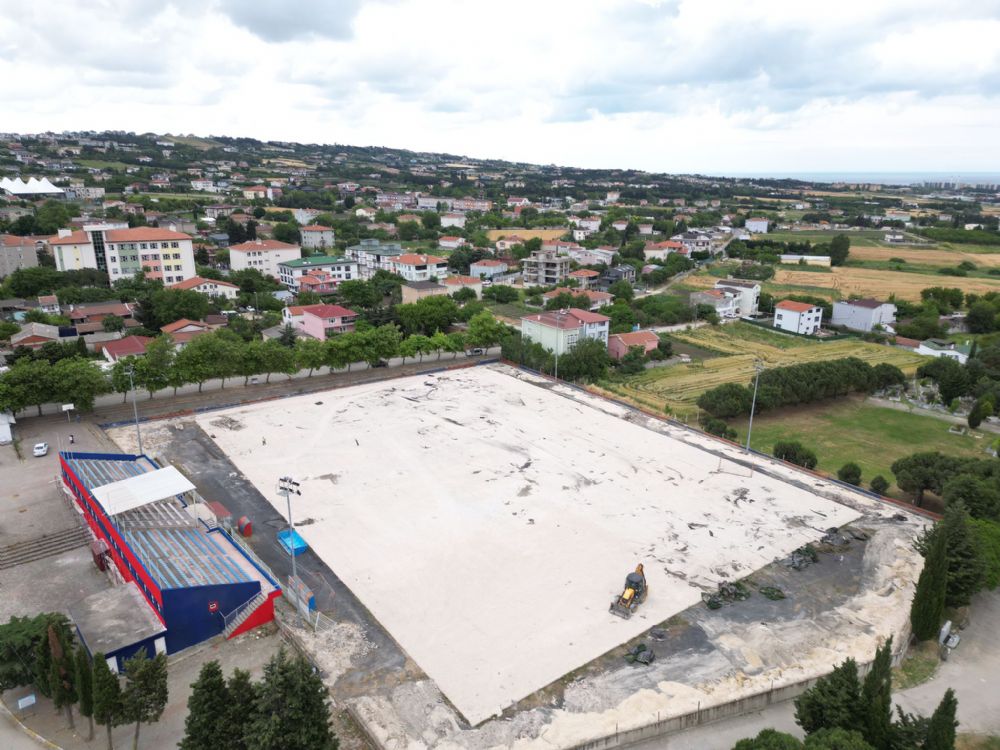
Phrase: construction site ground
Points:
(841, 606)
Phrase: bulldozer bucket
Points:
(620, 610)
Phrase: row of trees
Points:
(40, 651)
(223, 354)
(843, 712)
(799, 384)
(287, 708)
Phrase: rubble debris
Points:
(639, 654)
(728, 593)
(803, 557)
(772, 592)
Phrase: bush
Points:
(724, 401)
(850, 473)
(718, 427)
(879, 484)
(795, 453)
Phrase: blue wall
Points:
(188, 618)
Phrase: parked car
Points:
(40, 449)
(476, 352)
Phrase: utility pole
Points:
(758, 365)
(288, 487)
(130, 371)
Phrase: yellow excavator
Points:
(634, 594)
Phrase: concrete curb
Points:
(30, 732)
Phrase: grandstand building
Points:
(197, 579)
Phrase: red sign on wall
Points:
(213, 606)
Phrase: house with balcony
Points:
(798, 317)
(559, 330)
(323, 321)
(290, 272)
(419, 267)
(317, 237)
(545, 268)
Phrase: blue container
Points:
(292, 542)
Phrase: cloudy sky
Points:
(714, 86)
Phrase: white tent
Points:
(140, 490)
(33, 186)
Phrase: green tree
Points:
(850, 473)
(927, 609)
(201, 359)
(52, 216)
(20, 640)
(290, 708)
(108, 708)
(942, 725)
(84, 674)
(769, 739)
(152, 370)
(966, 562)
(622, 290)
(165, 306)
(840, 247)
(427, 315)
(879, 484)
(981, 497)
(62, 668)
(876, 699)
(208, 705)
(113, 323)
(794, 452)
(275, 358)
(439, 343)
(982, 317)
(78, 381)
(836, 739)
(310, 354)
(834, 701)
(380, 344)
(240, 710)
(920, 472)
(287, 337)
(145, 694)
(586, 361)
(987, 535)
(726, 401)
(634, 361)
(485, 330)
(29, 383)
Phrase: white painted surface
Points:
(487, 523)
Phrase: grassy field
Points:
(738, 346)
(852, 430)
(869, 282)
(527, 234)
(815, 236)
(100, 164)
(938, 256)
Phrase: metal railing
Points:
(231, 618)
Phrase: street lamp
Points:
(288, 487)
(130, 371)
(758, 365)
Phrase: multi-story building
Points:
(414, 267)
(545, 267)
(339, 269)
(264, 255)
(757, 225)
(863, 314)
(163, 254)
(748, 295)
(487, 268)
(17, 252)
(724, 301)
(559, 331)
(797, 317)
(323, 321)
(317, 237)
(373, 255)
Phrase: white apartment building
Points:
(544, 268)
(757, 225)
(797, 317)
(209, 287)
(373, 255)
(560, 330)
(317, 237)
(863, 314)
(264, 255)
(122, 252)
(290, 272)
(413, 267)
(747, 294)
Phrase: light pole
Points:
(287, 487)
(130, 371)
(758, 365)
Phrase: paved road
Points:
(971, 671)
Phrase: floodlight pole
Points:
(758, 366)
(130, 371)
(287, 486)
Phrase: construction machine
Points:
(634, 594)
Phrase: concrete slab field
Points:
(487, 521)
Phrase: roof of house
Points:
(424, 285)
(449, 238)
(35, 329)
(196, 281)
(908, 343)
(245, 247)
(412, 259)
(792, 306)
(584, 273)
(637, 338)
(316, 228)
(314, 260)
(48, 299)
(80, 312)
(183, 323)
(328, 311)
(143, 234)
(868, 302)
(462, 280)
(128, 346)
(592, 295)
(748, 284)
(489, 262)
(571, 318)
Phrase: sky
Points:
(683, 86)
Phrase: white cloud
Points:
(685, 85)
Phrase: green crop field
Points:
(739, 344)
(853, 430)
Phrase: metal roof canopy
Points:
(140, 490)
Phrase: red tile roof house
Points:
(620, 343)
(130, 346)
(584, 276)
(183, 330)
(454, 283)
(597, 299)
(322, 321)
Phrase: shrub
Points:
(879, 484)
(850, 473)
(795, 453)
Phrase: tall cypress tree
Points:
(966, 566)
(145, 694)
(242, 693)
(876, 699)
(834, 701)
(290, 708)
(205, 727)
(107, 697)
(85, 686)
(62, 679)
(927, 609)
(941, 728)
